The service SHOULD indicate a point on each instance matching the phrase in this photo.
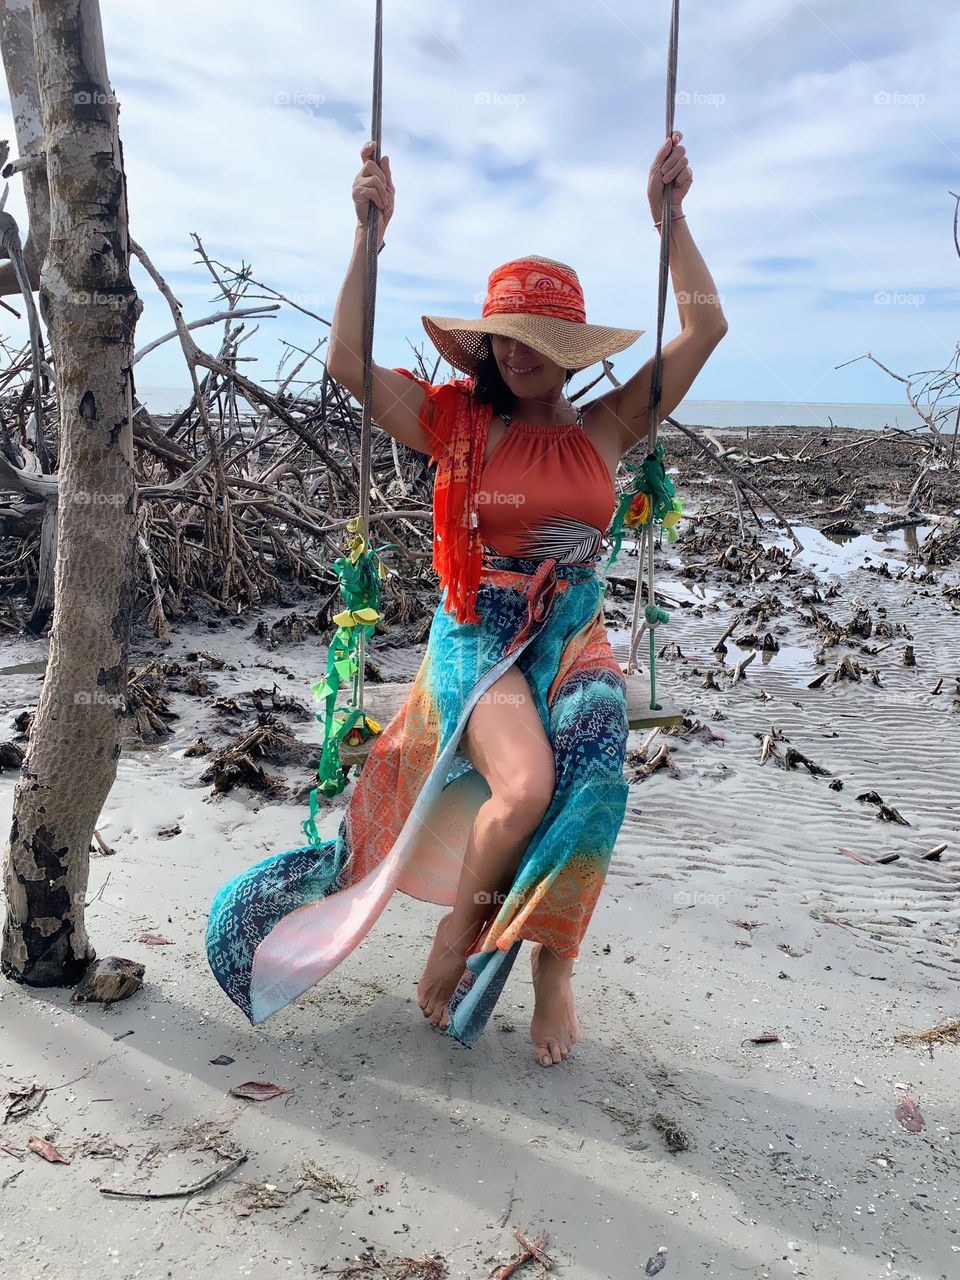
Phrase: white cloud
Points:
(240, 122)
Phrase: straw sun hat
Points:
(539, 301)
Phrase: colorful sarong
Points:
(279, 927)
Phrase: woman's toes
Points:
(440, 978)
(549, 1054)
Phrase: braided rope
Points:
(370, 301)
(652, 614)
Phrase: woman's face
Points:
(525, 371)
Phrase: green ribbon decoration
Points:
(652, 479)
(360, 573)
(664, 508)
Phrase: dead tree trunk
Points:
(21, 272)
(90, 308)
(20, 68)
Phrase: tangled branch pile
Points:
(242, 496)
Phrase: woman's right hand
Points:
(373, 182)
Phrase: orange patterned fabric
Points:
(457, 427)
(530, 285)
(396, 769)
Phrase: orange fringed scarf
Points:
(457, 426)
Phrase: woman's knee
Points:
(524, 795)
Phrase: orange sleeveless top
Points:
(568, 493)
(545, 491)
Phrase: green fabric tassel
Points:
(663, 508)
(360, 574)
(652, 479)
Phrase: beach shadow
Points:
(572, 1150)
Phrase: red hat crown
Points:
(535, 286)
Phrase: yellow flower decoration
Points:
(638, 512)
(351, 617)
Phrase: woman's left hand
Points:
(669, 165)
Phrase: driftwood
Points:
(644, 764)
(109, 979)
(530, 1250)
(740, 482)
(233, 509)
(742, 666)
(237, 508)
(202, 1184)
(789, 759)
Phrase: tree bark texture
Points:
(90, 308)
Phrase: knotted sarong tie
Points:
(538, 593)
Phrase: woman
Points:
(498, 789)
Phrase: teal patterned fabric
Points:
(567, 857)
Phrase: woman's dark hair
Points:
(489, 386)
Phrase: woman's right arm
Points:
(397, 401)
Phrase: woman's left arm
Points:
(625, 410)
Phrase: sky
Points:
(823, 136)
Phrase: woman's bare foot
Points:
(554, 1029)
(442, 973)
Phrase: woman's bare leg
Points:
(505, 741)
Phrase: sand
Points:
(729, 912)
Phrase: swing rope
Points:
(652, 499)
(370, 305)
(361, 572)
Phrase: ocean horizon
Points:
(714, 414)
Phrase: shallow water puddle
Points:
(35, 667)
(908, 539)
(847, 553)
(790, 659)
(668, 562)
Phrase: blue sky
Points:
(823, 137)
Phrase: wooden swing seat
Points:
(383, 701)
